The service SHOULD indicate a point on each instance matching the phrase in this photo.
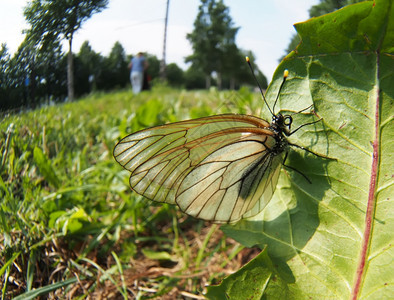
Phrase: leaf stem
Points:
(371, 205)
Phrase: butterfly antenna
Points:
(285, 74)
(258, 84)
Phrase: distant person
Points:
(137, 67)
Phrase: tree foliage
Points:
(115, 71)
(90, 69)
(153, 69)
(175, 75)
(4, 66)
(327, 6)
(36, 75)
(215, 51)
(52, 21)
(32, 76)
(194, 78)
(213, 38)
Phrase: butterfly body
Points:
(221, 168)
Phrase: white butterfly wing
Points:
(234, 182)
(215, 168)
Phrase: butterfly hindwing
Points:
(230, 182)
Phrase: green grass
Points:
(71, 226)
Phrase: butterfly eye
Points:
(288, 120)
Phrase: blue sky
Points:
(265, 27)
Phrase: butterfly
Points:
(220, 168)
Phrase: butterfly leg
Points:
(306, 124)
(302, 110)
(310, 151)
(294, 169)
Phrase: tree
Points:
(194, 78)
(153, 65)
(327, 6)
(4, 66)
(22, 75)
(175, 75)
(50, 78)
(4, 62)
(90, 69)
(31, 75)
(117, 65)
(244, 74)
(213, 39)
(54, 20)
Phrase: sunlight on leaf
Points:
(319, 233)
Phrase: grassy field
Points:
(70, 225)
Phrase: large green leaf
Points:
(255, 277)
(334, 238)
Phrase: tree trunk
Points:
(207, 81)
(70, 71)
(32, 88)
(232, 83)
(219, 80)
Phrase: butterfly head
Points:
(282, 123)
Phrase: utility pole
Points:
(163, 60)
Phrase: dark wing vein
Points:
(228, 183)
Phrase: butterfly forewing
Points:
(215, 168)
